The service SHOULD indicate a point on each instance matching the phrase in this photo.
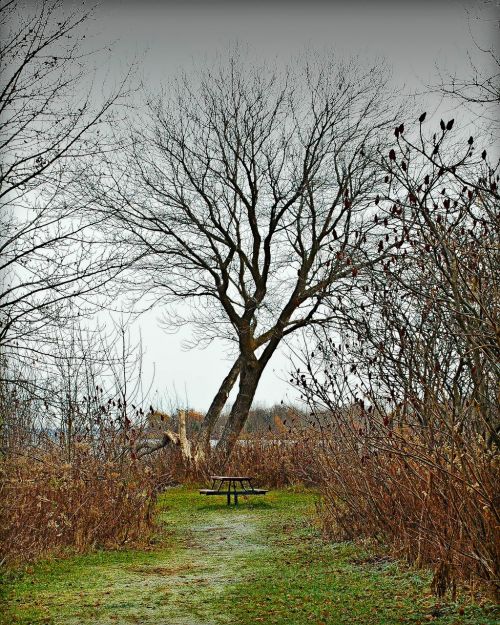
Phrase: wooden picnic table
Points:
(228, 485)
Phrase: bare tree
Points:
(50, 117)
(89, 390)
(247, 195)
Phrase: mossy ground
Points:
(262, 562)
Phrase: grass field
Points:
(262, 562)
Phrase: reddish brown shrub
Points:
(436, 506)
(275, 461)
(52, 506)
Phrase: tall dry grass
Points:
(276, 461)
(437, 505)
(52, 506)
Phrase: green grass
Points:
(262, 562)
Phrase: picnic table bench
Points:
(232, 485)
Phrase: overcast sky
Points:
(165, 37)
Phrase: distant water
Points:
(243, 442)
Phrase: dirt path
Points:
(262, 562)
(213, 542)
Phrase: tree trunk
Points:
(184, 443)
(213, 414)
(250, 373)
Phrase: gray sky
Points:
(168, 36)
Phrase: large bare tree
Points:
(248, 195)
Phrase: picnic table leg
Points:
(232, 484)
(228, 496)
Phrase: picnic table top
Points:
(230, 477)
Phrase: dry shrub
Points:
(167, 468)
(436, 506)
(275, 460)
(51, 506)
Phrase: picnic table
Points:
(232, 485)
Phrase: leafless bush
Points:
(405, 387)
(435, 507)
(276, 460)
